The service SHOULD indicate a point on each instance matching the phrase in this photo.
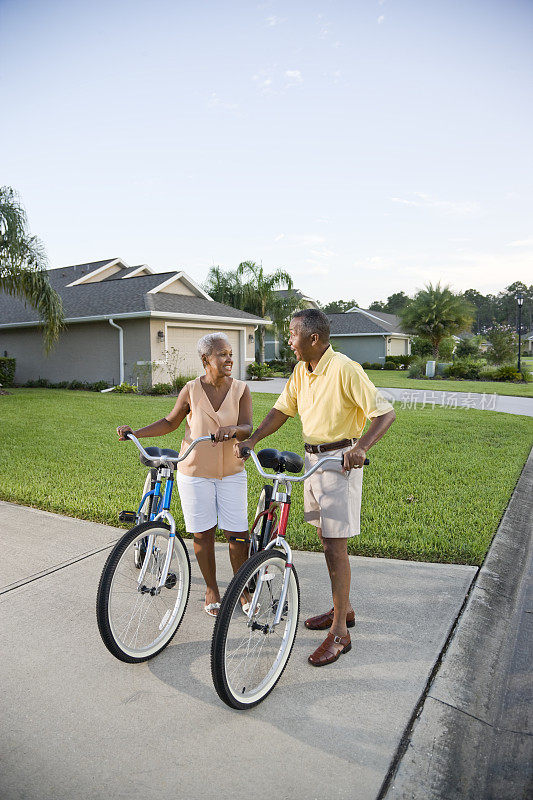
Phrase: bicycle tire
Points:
(118, 595)
(228, 676)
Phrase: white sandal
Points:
(211, 608)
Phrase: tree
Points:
(337, 306)
(281, 312)
(468, 348)
(259, 293)
(421, 347)
(435, 313)
(395, 303)
(503, 344)
(224, 287)
(23, 265)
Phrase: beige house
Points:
(119, 319)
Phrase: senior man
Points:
(334, 398)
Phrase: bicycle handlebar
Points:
(283, 475)
(162, 458)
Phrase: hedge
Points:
(7, 370)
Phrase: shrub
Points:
(76, 385)
(390, 365)
(285, 366)
(60, 385)
(7, 370)
(178, 382)
(527, 375)
(258, 371)
(507, 372)
(97, 386)
(416, 370)
(376, 365)
(421, 347)
(464, 368)
(160, 388)
(124, 388)
(467, 348)
(446, 348)
(402, 361)
(366, 364)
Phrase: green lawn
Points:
(435, 490)
(397, 379)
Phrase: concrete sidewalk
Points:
(430, 397)
(79, 724)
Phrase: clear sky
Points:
(366, 146)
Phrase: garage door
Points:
(185, 341)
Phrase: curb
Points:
(471, 735)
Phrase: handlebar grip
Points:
(366, 461)
(212, 435)
(246, 451)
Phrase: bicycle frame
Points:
(165, 471)
(283, 499)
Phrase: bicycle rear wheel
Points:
(137, 622)
(248, 657)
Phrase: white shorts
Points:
(205, 501)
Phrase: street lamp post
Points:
(519, 300)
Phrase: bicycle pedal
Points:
(127, 516)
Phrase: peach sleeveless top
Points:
(206, 460)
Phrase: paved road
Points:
(412, 398)
(78, 723)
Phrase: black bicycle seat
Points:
(157, 452)
(280, 462)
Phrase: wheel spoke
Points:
(132, 614)
(247, 663)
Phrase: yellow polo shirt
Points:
(334, 401)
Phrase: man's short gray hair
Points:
(312, 320)
(207, 343)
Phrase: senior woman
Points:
(211, 480)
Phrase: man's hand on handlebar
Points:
(354, 458)
(246, 446)
(121, 430)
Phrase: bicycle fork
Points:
(279, 541)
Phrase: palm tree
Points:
(224, 287)
(258, 293)
(435, 313)
(23, 265)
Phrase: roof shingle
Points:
(107, 298)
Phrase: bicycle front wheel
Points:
(137, 620)
(248, 656)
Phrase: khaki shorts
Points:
(332, 500)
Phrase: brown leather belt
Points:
(322, 448)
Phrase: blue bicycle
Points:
(144, 587)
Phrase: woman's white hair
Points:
(207, 343)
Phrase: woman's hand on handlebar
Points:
(121, 430)
(354, 458)
(224, 434)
